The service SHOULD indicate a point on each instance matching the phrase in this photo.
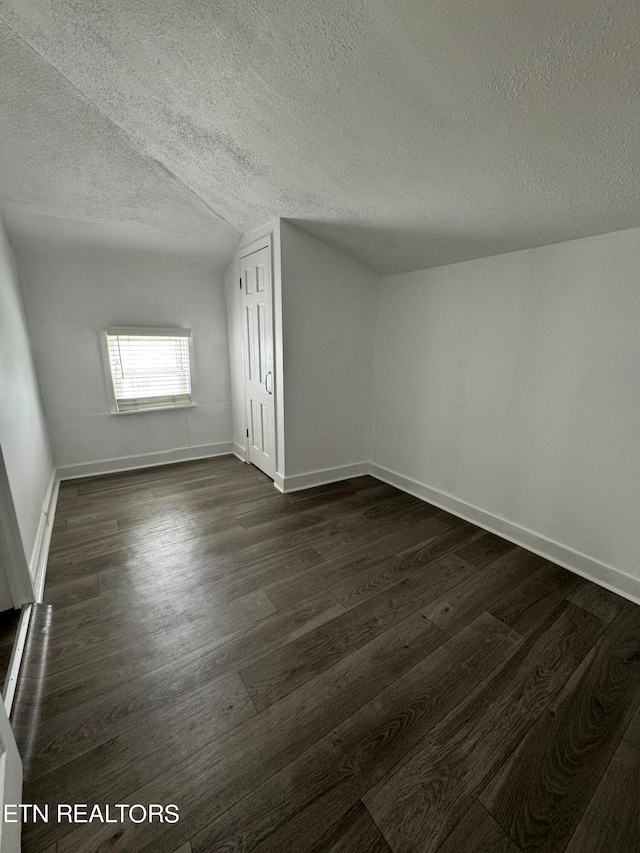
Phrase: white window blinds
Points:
(150, 369)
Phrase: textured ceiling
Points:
(70, 178)
(410, 133)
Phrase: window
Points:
(150, 368)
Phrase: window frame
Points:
(150, 331)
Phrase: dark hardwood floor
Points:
(8, 629)
(340, 669)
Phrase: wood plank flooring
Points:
(342, 669)
(8, 629)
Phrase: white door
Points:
(10, 786)
(257, 322)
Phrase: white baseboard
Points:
(17, 653)
(40, 553)
(144, 460)
(318, 478)
(239, 451)
(607, 576)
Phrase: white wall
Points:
(328, 305)
(23, 433)
(70, 296)
(513, 384)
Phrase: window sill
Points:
(156, 409)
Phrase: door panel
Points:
(255, 277)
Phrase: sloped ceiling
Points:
(69, 178)
(410, 133)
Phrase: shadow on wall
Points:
(211, 245)
(385, 250)
(391, 250)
